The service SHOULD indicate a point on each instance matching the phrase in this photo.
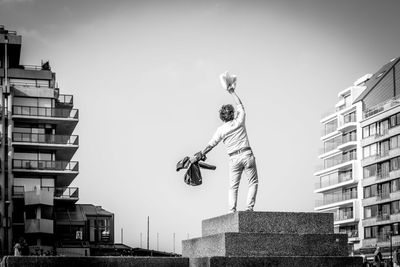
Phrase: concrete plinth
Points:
(276, 261)
(270, 222)
(261, 244)
(269, 239)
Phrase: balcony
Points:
(66, 171)
(39, 226)
(67, 100)
(57, 193)
(18, 191)
(66, 193)
(336, 162)
(347, 124)
(337, 181)
(393, 102)
(62, 113)
(39, 197)
(65, 119)
(343, 217)
(383, 217)
(49, 139)
(383, 195)
(46, 165)
(350, 234)
(382, 240)
(335, 199)
(65, 145)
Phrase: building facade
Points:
(359, 181)
(37, 205)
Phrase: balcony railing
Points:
(350, 234)
(336, 198)
(382, 154)
(46, 112)
(395, 101)
(341, 159)
(382, 175)
(381, 133)
(46, 138)
(382, 217)
(32, 67)
(345, 216)
(65, 99)
(64, 192)
(383, 195)
(59, 192)
(46, 165)
(337, 180)
(18, 190)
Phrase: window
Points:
(351, 117)
(395, 185)
(395, 207)
(395, 142)
(369, 151)
(370, 171)
(330, 126)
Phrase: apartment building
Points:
(338, 179)
(380, 157)
(359, 181)
(37, 204)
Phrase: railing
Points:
(18, 190)
(64, 192)
(336, 198)
(337, 180)
(32, 67)
(45, 138)
(383, 237)
(66, 99)
(59, 192)
(339, 160)
(334, 110)
(382, 107)
(350, 234)
(381, 133)
(383, 195)
(345, 216)
(32, 83)
(382, 175)
(334, 145)
(382, 217)
(382, 154)
(46, 165)
(46, 112)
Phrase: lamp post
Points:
(390, 234)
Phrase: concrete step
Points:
(262, 244)
(270, 222)
(276, 261)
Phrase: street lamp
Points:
(390, 234)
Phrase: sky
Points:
(145, 78)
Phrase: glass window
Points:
(396, 228)
(365, 131)
(366, 152)
(367, 192)
(370, 171)
(368, 232)
(331, 126)
(372, 129)
(395, 207)
(392, 120)
(394, 142)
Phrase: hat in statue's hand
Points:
(227, 81)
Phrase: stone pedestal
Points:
(269, 239)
